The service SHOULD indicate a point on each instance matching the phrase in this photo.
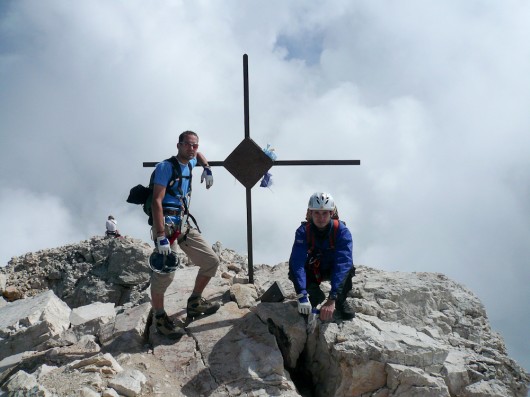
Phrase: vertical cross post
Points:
(248, 189)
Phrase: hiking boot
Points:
(345, 310)
(167, 327)
(198, 305)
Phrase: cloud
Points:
(429, 96)
(31, 222)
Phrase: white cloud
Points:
(31, 222)
(429, 96)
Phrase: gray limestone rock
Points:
(128, 383)
(91, 318)
(127, 331)
(244, 295)
(415, 334)
(96, 270)
(27, 324)
(25, 384)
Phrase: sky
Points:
(431, 96)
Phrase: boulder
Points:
(128, 383)
(244, 295)
(128, 330)
(409, 381)
(24, 384)
(90, 318)
(240, 355)
(28, 323)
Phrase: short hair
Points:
(185, 134)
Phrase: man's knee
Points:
(200, 253)
(209, 265)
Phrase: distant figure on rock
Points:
(322, 250)
(112, 227)
(171, 228)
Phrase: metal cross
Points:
(247, 154)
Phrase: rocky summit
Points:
(75, 321)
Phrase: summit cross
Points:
(249, 153)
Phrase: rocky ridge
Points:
(75, 320)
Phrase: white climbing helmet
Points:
(321, 201)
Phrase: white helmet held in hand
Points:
(321, 201)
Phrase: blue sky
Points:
(432, 97)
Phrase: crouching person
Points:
(322, 250)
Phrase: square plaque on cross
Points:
(247, 163)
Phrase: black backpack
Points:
(143, 195)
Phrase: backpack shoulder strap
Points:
(176, 170)
(310, 237)
(333, 234)
(174, 175)
(191, 174)
(177, 175)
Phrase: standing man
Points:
(322, 250)
(171, 227)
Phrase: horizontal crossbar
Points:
(283, 162)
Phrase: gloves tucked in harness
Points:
(207, 175)
(162, 245)
(304, 307)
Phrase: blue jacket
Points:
(339, 261)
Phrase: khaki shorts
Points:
(198, 251)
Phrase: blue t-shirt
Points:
(163, 174)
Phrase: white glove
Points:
(304, 307)
(162, 244)
(207, 175)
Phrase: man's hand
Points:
(304, 307)
(207, 175)
(162, 244)
(327, 309)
